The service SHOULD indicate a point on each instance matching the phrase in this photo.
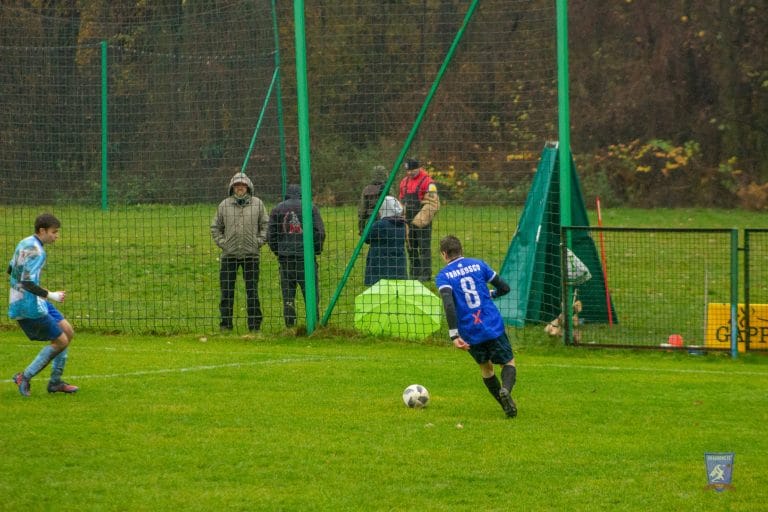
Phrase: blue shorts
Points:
(497, 351)
(45, 328)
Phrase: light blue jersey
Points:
(26, 265)
(478, 317)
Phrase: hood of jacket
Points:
(239, 178)
(293, 192)
(391, 207)
(379, 174)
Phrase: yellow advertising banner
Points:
(719, 326)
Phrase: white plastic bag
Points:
(578, 273)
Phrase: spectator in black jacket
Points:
(386, 256)
(285, 236)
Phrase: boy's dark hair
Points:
(45, 221)
(451, 246)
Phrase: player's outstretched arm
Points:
(39, 291)
(501, 287)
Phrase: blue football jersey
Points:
(479, 318)
(26, 265)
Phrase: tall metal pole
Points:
(564, 151)
(563, 109)
(734, 293)
(305, 168)
(104, 132)
(279, 94)
(258, 122)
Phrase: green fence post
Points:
(279, 98)
(104, 138)
(747, 298)
(258, 123)
(734, 293)
(564, 149)
(302, 97)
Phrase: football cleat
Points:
(510, 409)
(23, 384)
(61, 387)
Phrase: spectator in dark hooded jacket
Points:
(370, 196)
(386, 257)
(285, 236)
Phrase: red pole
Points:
(605, 264)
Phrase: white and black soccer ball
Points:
(416, 396)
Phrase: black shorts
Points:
(497, 351)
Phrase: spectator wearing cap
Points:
(386, 257)
(418, 194)
(239, 229)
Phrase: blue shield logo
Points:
(719, 470)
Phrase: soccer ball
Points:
(416, 396)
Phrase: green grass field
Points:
(204, 421)
(317, 423)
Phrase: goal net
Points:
(128, 120)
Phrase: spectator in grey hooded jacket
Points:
(285, 236)
(240, 229)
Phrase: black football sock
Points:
(508, 377)
(492, 383)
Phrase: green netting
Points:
(187, 85)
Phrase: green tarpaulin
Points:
(532, 265)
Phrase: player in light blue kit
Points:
(29, 304)
(474, 322)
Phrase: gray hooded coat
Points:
(240, 225)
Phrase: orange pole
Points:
(605, 264)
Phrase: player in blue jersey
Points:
(30, 305)
(474, 322)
